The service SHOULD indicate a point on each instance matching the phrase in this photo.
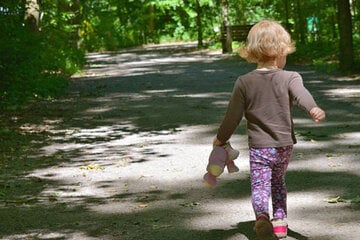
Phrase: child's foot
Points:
(217, 159)
(210, 180)
(280, 227)
(264, 229)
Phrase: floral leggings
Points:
(267, 174)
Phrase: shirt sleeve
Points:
(300, 94)
(233, 114)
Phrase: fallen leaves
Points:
(190, 204)
(339, 199)
(142, 205)
(332, 157)
(93, 167)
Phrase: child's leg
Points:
(260, 177)
(278, 187)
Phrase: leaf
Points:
(339, 199)
(143, 205)
(154, 187)
(332, 200)
(92, 167)
(156, 226)
(334, 164)
(300, 155)
(191, 204)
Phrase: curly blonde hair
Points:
(266, 41)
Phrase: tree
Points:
(199, 24)
(226, 44)
(32, 14)
(346, 58)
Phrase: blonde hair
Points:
(266, 41)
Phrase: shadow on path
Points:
(121, 157)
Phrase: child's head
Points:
(266, 41)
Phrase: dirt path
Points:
(123, 155)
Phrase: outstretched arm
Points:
(305, 99)
(317, 114)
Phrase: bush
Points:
(34, 65)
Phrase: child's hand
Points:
(217, 142)
(317, 114)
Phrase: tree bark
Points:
(32, 14)
(150, 24)
(346, 57)
(199, 24)
(287, 23)
(300, 22)
(227, 43)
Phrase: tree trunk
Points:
(300, 22)
(226, 43)
(199, 24)
(346, 58)
(32, 15)
(287, 23)
(150, 24)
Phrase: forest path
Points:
(123, 155)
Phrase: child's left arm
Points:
(304, 99)
(317, 114)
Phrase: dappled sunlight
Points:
(99, 110)
(121, 154)
(133, 64)
(325, 216)
(347, 78)
(128, 152)
(202, 95)
(299, 201)
(48, 235)
(159, 91)
(353, 92)
(351, 135)
(222, 214)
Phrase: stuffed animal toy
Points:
(220, 157)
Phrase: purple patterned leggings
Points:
(267, 174)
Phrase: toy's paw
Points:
(231, 167)
(210, 180)
(232, 153)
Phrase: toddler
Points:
(265, 98)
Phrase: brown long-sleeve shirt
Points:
(265, 98)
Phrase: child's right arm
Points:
(232, 117)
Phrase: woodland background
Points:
(43, 42)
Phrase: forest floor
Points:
(123, 154)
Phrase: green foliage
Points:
(322, 55)
(35, 64)
(119, 24)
